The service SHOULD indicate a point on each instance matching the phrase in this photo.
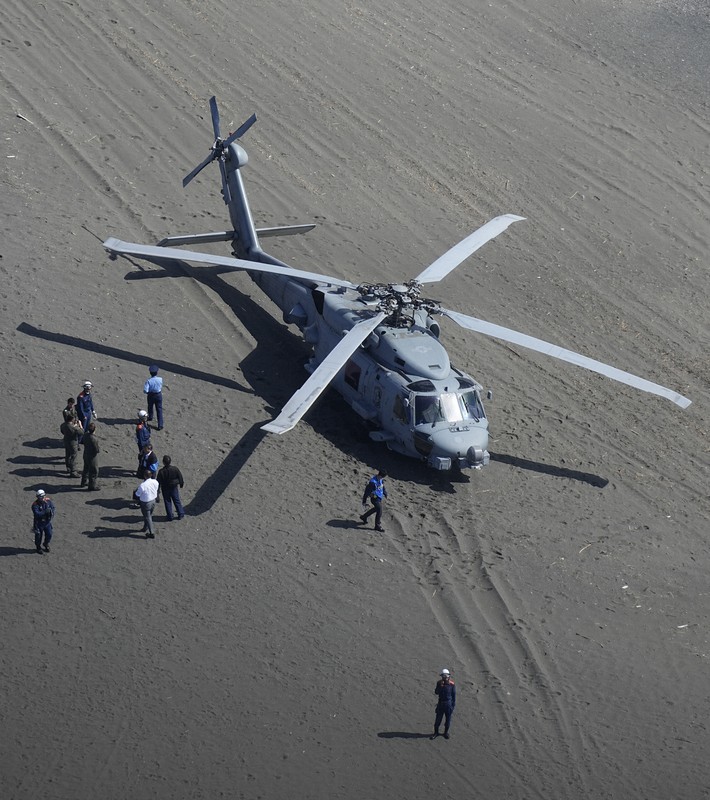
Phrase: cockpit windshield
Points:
(447, 407)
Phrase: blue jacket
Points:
(375, 488)
(142, 435)
(84, 406)
(43, 511)
(447, 693)
(154, 384)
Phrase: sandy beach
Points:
(268, 645)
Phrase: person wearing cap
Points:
(147, 495)
(374, 492)
(170, 480)
(85, 406)
(153, 387)
(91, 458)
(142, 431)
(446, 692)
(42, 515)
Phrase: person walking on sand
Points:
(147, 495)
(374, 492)
(446, 692)
(42, 515)
(153, 387)
(170, 480)
(91, 458)
(72, 432)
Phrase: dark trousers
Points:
(71, 448)
(443, 710)
(43, 531)
(155, 401)
(376, 510)
(171, 495)
(91, 473)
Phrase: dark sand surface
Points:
(266, 646)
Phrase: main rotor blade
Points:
(461, 251)
(304, 398)
(240, 131)
(116, 246)
(508, 335)
(198, 169)
(215, 116)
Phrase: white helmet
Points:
(445, 672)
(88, 384)
(40, 493)
(142, 413)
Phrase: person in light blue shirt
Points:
(153, 387)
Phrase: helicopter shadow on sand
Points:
(274, 369)
(124, 355)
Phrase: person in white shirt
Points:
(147, 495)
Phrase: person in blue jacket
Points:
(42, 515)
(85, 406)
(446, 692)
(142, 431)
(153, 387)
(374, 492)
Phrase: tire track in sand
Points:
(481, 617)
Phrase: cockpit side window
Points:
(401, 410)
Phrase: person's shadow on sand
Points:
(104, 532)
(15, 551)
(403, 735)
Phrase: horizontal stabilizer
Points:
(285, 230)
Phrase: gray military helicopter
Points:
(377, 344)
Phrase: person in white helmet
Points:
(42, 515)
(85, 405)
(446, 692)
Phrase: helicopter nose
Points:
(467, 448)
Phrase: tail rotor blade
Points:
(215, 116)
(241, 130)
(197, 169)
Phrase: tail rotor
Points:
(217, 151)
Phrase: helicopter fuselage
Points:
(400, 380)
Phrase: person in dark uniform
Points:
(446, 692)
(153, 387)
(42, 515)
(374, 492)
(170, 480)
(85, 406)
(70, 411)
(91, 458)
(72, 432)
(142, 431)
(147, 460)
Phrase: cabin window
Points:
(352, 374)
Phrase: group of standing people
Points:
(79, 433)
